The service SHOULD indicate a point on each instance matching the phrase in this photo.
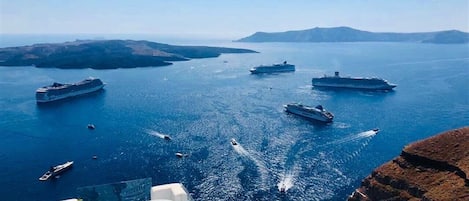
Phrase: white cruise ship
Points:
(275, 68)
(316, 113)
(58, 91)
(337, 81)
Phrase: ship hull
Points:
(64, 91)
(273, 69)
(354, 86)
(350, 83)
(315, 116)
(69, 95)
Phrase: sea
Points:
(203, 103)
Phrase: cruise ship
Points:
(275, 68)
(56, 170)
(58, 91)
(352, 82)
(316, 113)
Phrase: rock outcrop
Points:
(436, 168)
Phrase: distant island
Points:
(347, 34)
(106, 54)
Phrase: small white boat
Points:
(283, 189)
(91, 126)
(233, 142)
(56, 170)
(181, 155)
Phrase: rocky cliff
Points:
(436, 168)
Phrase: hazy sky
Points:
(228, 18)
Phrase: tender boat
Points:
(316, 113)
(365, 83)
(166, 137)
(56, 170)
(376, 130)
(233, 141)
(283, 189)
(91, 126)
(275, 68)
(180, 155)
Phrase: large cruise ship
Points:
(317, 113)
(58, 91)
(352, 82)
(275, 68)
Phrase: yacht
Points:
(58, 91)
(316, 113)
(337, 81)
(56, 170)
(274, 68)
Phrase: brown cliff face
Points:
(436, 168)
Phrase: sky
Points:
(227, 18)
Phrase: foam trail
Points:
(286, 181)
(355, 137)
(156, 133)
(261, 167)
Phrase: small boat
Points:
(56, 170)
(91, 126)
(180, 155)
(233, 142)
(283, 189)
(166, 137)
(376, 130)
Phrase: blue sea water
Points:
(203, 103)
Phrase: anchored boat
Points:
(56, 170)
(316, 113)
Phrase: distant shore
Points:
(106, 54)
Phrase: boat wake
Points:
(287, 181)
(355, 137)
(156, 133)
(263, 170)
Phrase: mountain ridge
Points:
(348, 34)
(106, 54)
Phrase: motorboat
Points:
(233, 142)
(91, 126)
(166, 137)
(283, 189)
(181, 155)
(56, 170)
